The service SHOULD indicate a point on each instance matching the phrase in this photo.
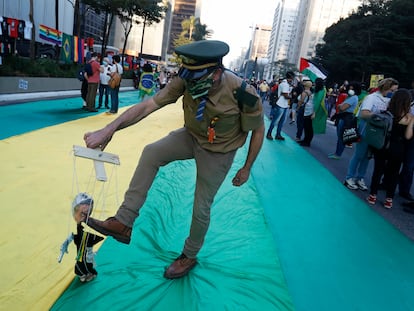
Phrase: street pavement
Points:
(322, 145)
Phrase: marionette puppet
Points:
(82, 207)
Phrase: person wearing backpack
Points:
(388, 160)
(373, 103)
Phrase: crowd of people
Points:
(310, 104)
(96, 75)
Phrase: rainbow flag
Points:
(50, 34)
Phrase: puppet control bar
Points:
(98, 157)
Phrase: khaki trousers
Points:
(91, 95)
(212, 168)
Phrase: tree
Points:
(280, 67)
(151, 11)
(192, 30)
(375, 39)
(201, 32)
(110, 8)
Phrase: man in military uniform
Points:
(219, 111)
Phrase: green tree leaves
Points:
(377, 39)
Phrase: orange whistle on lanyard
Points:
(211, 132)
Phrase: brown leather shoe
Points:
(180, 267)
(113, 228)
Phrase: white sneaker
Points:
(361, 184)
(350, 183)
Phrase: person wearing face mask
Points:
(279, 111)
(220, 109)
(345, 115)
(373, 103)
(103, 84)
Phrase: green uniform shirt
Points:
(232, 125)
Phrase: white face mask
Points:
(351, 92)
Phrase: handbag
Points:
(350, 134)
(115, 80)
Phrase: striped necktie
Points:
(200, 109)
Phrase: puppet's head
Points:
(82, 207)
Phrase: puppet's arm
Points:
(64, 247)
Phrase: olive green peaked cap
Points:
(202, 54)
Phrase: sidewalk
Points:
(8, 99)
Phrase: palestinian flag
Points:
(50, 34)
(311, 70)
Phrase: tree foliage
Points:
(130, 12)
(376, 39)
(192, 30)
(145, 12)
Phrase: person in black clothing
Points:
(387, 161)
(407, 171)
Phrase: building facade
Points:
(298, 27)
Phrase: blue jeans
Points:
(114, 99)
(263, 95)
(103, 90)
(278, 115)
(340, 146)
(300, 121)
(359, 161)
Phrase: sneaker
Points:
(350, 183)
(279, 137)
(268, 136)
(333, 156)
(388, 203)
(361, 185)
(180, 267)
(372, 199)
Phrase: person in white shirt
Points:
(116, 67)
(103, 83)
(373, 103)
(279, 111)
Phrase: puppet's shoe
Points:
(113, 228)
(180, 267)
(87, 277)
(90, 277)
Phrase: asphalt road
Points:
(322, 145)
